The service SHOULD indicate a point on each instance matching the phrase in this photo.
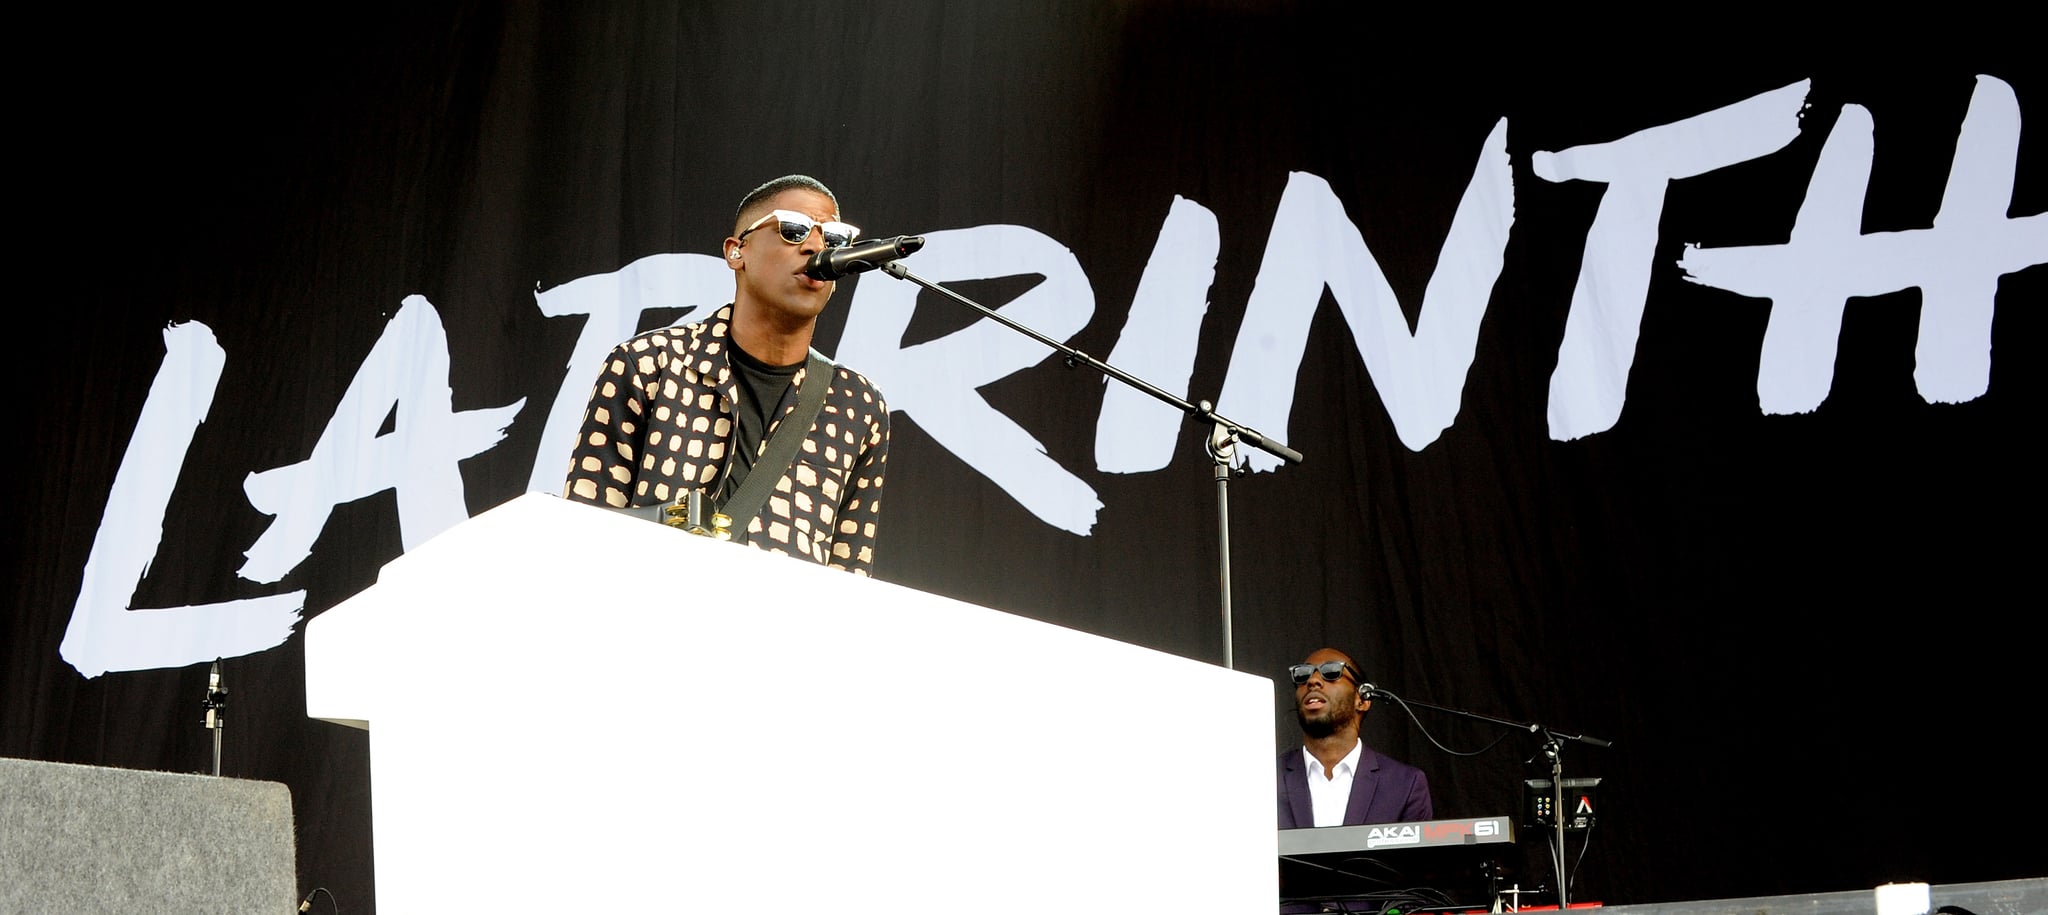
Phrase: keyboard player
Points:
(1335, 779)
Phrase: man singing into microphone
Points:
(701, 405)
(1335, 779)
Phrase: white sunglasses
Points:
(794, 227)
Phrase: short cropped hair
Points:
(777, 186)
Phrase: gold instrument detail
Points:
(687, 512)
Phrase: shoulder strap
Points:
(775, 458)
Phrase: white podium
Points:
(576, 710)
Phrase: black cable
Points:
(1585, 842)
(1409, 899)
(306, 904)
(1403, 703)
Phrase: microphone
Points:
(215, 697)
(860, 257)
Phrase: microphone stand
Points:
(1553, 749)
(1221, 443)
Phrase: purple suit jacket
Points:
(1385, 790)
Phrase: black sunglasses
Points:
(1332, 671)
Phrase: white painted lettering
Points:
(104, 634)
(1828, 260)
(406, 375)
(1593, 362)
(1420, 375)
(1136, 432)
(936, 382)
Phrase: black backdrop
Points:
(1805, 633)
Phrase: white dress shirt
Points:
(1330, 794)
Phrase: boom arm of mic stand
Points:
(1513, 725)
(1223, 433)
(1202, 413)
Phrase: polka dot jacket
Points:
(660, 420)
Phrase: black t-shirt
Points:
(762, 388)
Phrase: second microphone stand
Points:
(1553, 749)
(1221, 442)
